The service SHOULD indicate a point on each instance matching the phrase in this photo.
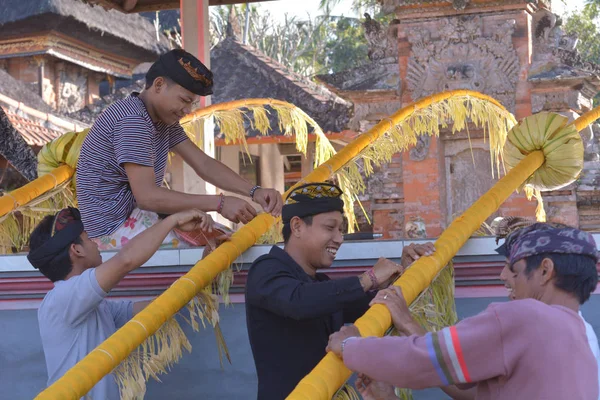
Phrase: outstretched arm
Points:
(393, 299)
(161, 200)
(223, 177)
(139, 249)
(468, 352)
(211, 170)
(273, 287)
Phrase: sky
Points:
(279, 8)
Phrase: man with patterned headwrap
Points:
(534, 347)
(74, 316)
(291, 309)
(124, 156)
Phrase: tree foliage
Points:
(309, 46)
(583, 23)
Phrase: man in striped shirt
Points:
(124, 156)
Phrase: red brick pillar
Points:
(422, 183)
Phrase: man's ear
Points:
(76, 250)
(159, 84)
(296, 226)
(547, 271)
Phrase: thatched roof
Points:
(241, 71)
(21, 16)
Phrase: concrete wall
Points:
(197, 375)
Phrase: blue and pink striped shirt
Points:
(124, 133)
(522, 349)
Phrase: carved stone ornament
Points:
(383, 41)
(419, 152)
(415, 228)
(459, 5)
(457, 55)
(72, 90)
(555, 53)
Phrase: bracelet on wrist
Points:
(344, 343)
(221, 203)
(371, 275)
(254, 189)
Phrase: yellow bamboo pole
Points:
(103, 359)
(23, 195)
(586, 119)
(331, 373)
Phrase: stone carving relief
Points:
(555, 52)
(72, 90)
(415, 228)
(459, 56)
(459, 5)
(419, 152)
(383, 41)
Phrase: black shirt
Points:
(290, 316)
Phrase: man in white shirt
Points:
(75, 317)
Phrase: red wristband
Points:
(373, 278)
(221, 203)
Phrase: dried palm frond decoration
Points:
(16, 226)
(400, 131)
(162, 350)
(562, 148)
(503, 226)
(51, 192)
(234, 118)
(434, 309)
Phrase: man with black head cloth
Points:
(291, 309)
(74, 317)
(124, 156)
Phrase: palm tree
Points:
(16, 150)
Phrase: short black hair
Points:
(156, 71)
(575, 273)
(41, 234)
(287, 229)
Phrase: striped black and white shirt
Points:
(123, 133)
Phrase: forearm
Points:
(165, 201)
(400, 361)
(142, 246)
(413, 328)
(458, 394)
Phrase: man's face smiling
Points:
(175, 102)
(322, 239)
(519, 283)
